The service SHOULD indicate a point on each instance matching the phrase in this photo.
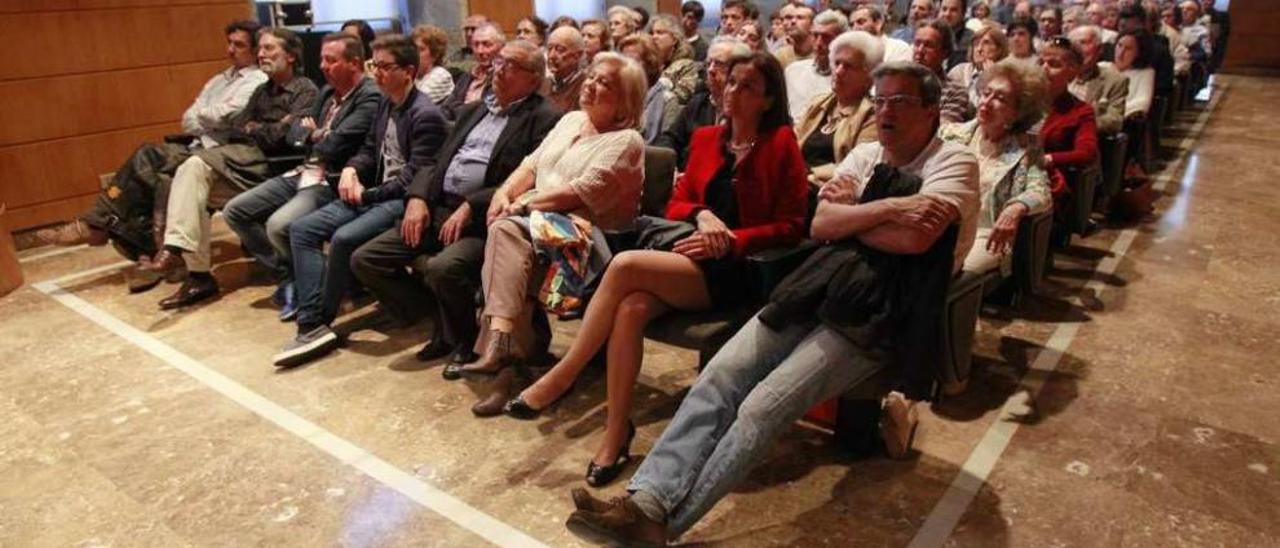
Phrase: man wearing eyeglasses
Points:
(407, 132)
(443, 231)
(704, 107)
(770, 373)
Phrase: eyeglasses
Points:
(385, 67)
(499, 62)
(882, 102)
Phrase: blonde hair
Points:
(1032, 86)
(998, 35)
(435, 38)
(632, 86)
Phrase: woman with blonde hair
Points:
(743, 191)
(590, 165)
(1011, 181)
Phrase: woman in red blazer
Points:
(1069, 131)
(744, 189)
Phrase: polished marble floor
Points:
(1132, 403)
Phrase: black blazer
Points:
(698, 113)
(453, 104)
(530, 122)
(420, 130)
(349, 128)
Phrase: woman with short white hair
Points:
(623, 21)
(840, 119)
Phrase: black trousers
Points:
(452, 274)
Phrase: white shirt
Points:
(803, 85)
(223, 96)
(1142, 86)
(947, 170)
(896, 50)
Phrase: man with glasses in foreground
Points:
(404, 140)
(767, 376)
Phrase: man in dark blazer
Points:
(445, 211)
(405, 140)
(331, 135)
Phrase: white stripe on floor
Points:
(973, 473)
(465, 516)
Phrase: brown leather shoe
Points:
(192, 291)
(498, 355)
(584, 500)
(504, 386)
(622, 523)
(140, 279)
(165, 263)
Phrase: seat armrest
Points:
(768, 267)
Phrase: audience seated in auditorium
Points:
(870, 18)
(1102, 87)
(432, 79)
(842, 118)
(445, 210)
(131, 210)
(776, 39)
(1132, 62)
(808, 78)
(1069, 131)
(563, 21)
(211, 176)
(798, 20)
(532, 29)
(590, 166)
(1011, 183)
(989, 47)
(1050, 24)
(919, 12)
(623, 22)
(691, 15)
(704, 108)
(979, 16)
(743, 191)
(360, 29)
(403, 140)
(472, 86)
(1219, 24)
(932, 48)
(1135, 19)
(595, 39)
(1096, 15)
(660, 105)
(787, 358)
(331, 134)
(1195, 33)
(1170, 27)
(951, 12)
(463, 59)
(679, 70)
(565, 72)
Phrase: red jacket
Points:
(1070, 136)
(771, 186)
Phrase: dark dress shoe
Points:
(504, 384)
(584, 500)
(165, 263)
(517, 408)
(139, 279)
(192, 291)
(434, 350)
(621, 523)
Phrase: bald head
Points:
(564, 51)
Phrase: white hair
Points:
(737, 48)
(871, 47)
(629, 13)
(832, 17)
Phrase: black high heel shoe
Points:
(599, 476)
(517, 408)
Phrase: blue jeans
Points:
(261, 217)
(759, 383)
(320, 285)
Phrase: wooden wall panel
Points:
(113, 74)
(504, 12)
(67, 106)
(1255, 31)
(99, 40)
(52, 170)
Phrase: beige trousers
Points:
(196, 187)
(507, 279)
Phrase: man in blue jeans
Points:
(764, 378)
(331, 136)
(405, 139)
